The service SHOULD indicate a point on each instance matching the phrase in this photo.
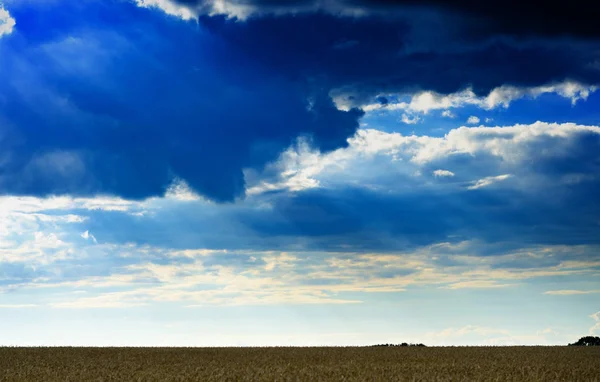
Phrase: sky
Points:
(270, 172)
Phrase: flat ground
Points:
(301, 364)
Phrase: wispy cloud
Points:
(487, 181)
(502, 96)
(466, 330)
(570, 292)
(494, 336)
(88, 236)
(207, 278)
(595, 330)
(479, 284)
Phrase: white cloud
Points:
(508, 143)
(508, 147)
(488, 120)
(180, 190)
(487, 181)
(7, 23)
(88, 236)
(41, 231)
(410, 119)
(169, 7)
(29, 205)
(448, 114)
(242, 10)
(36, 247)
(503, 96)
(33, 206)
(443, 173)
(297, 168)
(473, 120)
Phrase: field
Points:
(302, 364)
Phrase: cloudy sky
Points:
(307, 172)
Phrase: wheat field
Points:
(301, 364)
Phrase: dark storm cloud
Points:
(429, 52)
(577, 18)
(516, 17)
(108, 98)
(123, 107)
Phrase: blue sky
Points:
(213, 173)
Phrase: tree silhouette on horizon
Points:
(587, 341)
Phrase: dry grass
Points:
(301, 364)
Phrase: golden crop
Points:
(302, 364)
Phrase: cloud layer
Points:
(384, 192)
